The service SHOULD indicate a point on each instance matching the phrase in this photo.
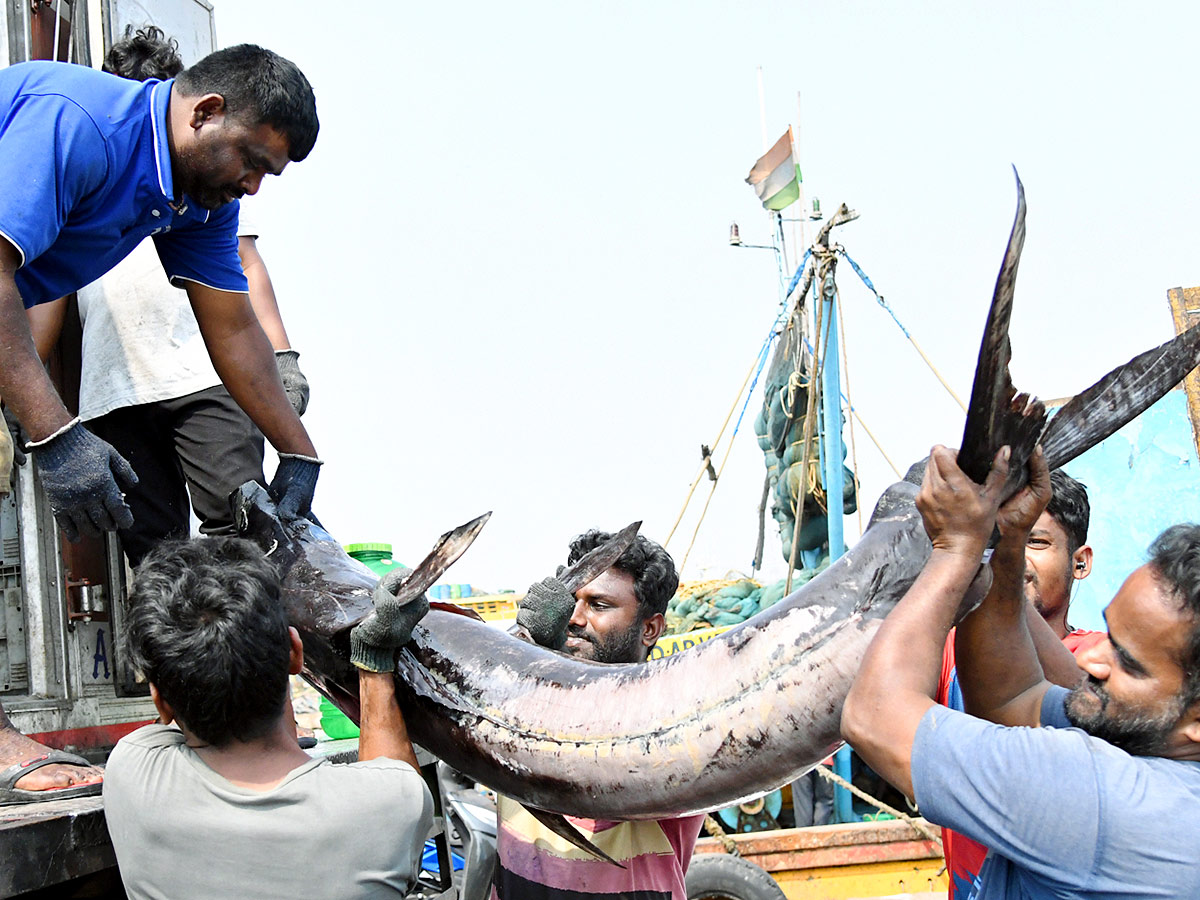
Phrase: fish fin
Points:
(456, 609)
(449, 547)
(998, 414)
(1119, 397)
(564, 829)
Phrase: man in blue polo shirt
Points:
(1101, 800)
(90, 164)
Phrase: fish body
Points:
(741, 714)
(734, 717)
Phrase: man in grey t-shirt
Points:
(226, 804)
(1107, 808)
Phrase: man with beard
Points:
(1109, 807)
(93, 164)
(615, 618)
(1057, 555)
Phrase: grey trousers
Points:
(200, 445)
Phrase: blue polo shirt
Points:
(85, 175)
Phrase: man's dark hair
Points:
(653, 570)
(1069, 507)
(207, 627)
(1175, 559)
(142, 54)
(261, 88)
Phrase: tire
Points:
(718, 876)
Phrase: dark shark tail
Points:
(999, 415)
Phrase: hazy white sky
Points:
(506, 267)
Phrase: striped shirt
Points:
(536, 864)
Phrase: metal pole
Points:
(831, 399)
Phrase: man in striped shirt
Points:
(616, 618)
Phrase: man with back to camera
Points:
(1057, 556)
(93, 164)
(1109, 807)
(616, 618)
(219, 800)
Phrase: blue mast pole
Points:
(831, 407)
(831, 443)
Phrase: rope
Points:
(799, 273)
(916, 824)
(814, 389)
(704, 464)
(879, 297)
(714, 829)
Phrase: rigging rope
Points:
(912, 340)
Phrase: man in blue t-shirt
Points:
(1103, 799)
(91, 164)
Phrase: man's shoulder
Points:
(151, 737)
(372, 775)
(78, 85)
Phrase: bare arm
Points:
(384, 733)
(1058, 663)
(998, 668)
(242, 356)
(898, 678)
(262, 293)
(24, 384)
(46, 322)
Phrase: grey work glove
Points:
(375, 640)
(545, 611)
(294, 484)
(83, 477)
(294, 382)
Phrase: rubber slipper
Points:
(10, 795)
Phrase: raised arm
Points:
(898, 678)
(373, 645)
(998, 668)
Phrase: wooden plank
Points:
(820, 836)
(1185, 312)
(893, 851)
(44, 844)
(854, 882)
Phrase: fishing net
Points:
(729, 601)
(780, 430)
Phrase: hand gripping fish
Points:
(739, 715)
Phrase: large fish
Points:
(742, 713)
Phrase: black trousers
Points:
(201, 445)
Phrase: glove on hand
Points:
(294, 484)
(375, 640)
(294, 382)
(83, 477)
(546, 611)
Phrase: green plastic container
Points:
(378, 558)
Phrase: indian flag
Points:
(776, 177)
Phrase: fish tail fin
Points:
(564, 829)
(1119, 397)
(998, 414)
